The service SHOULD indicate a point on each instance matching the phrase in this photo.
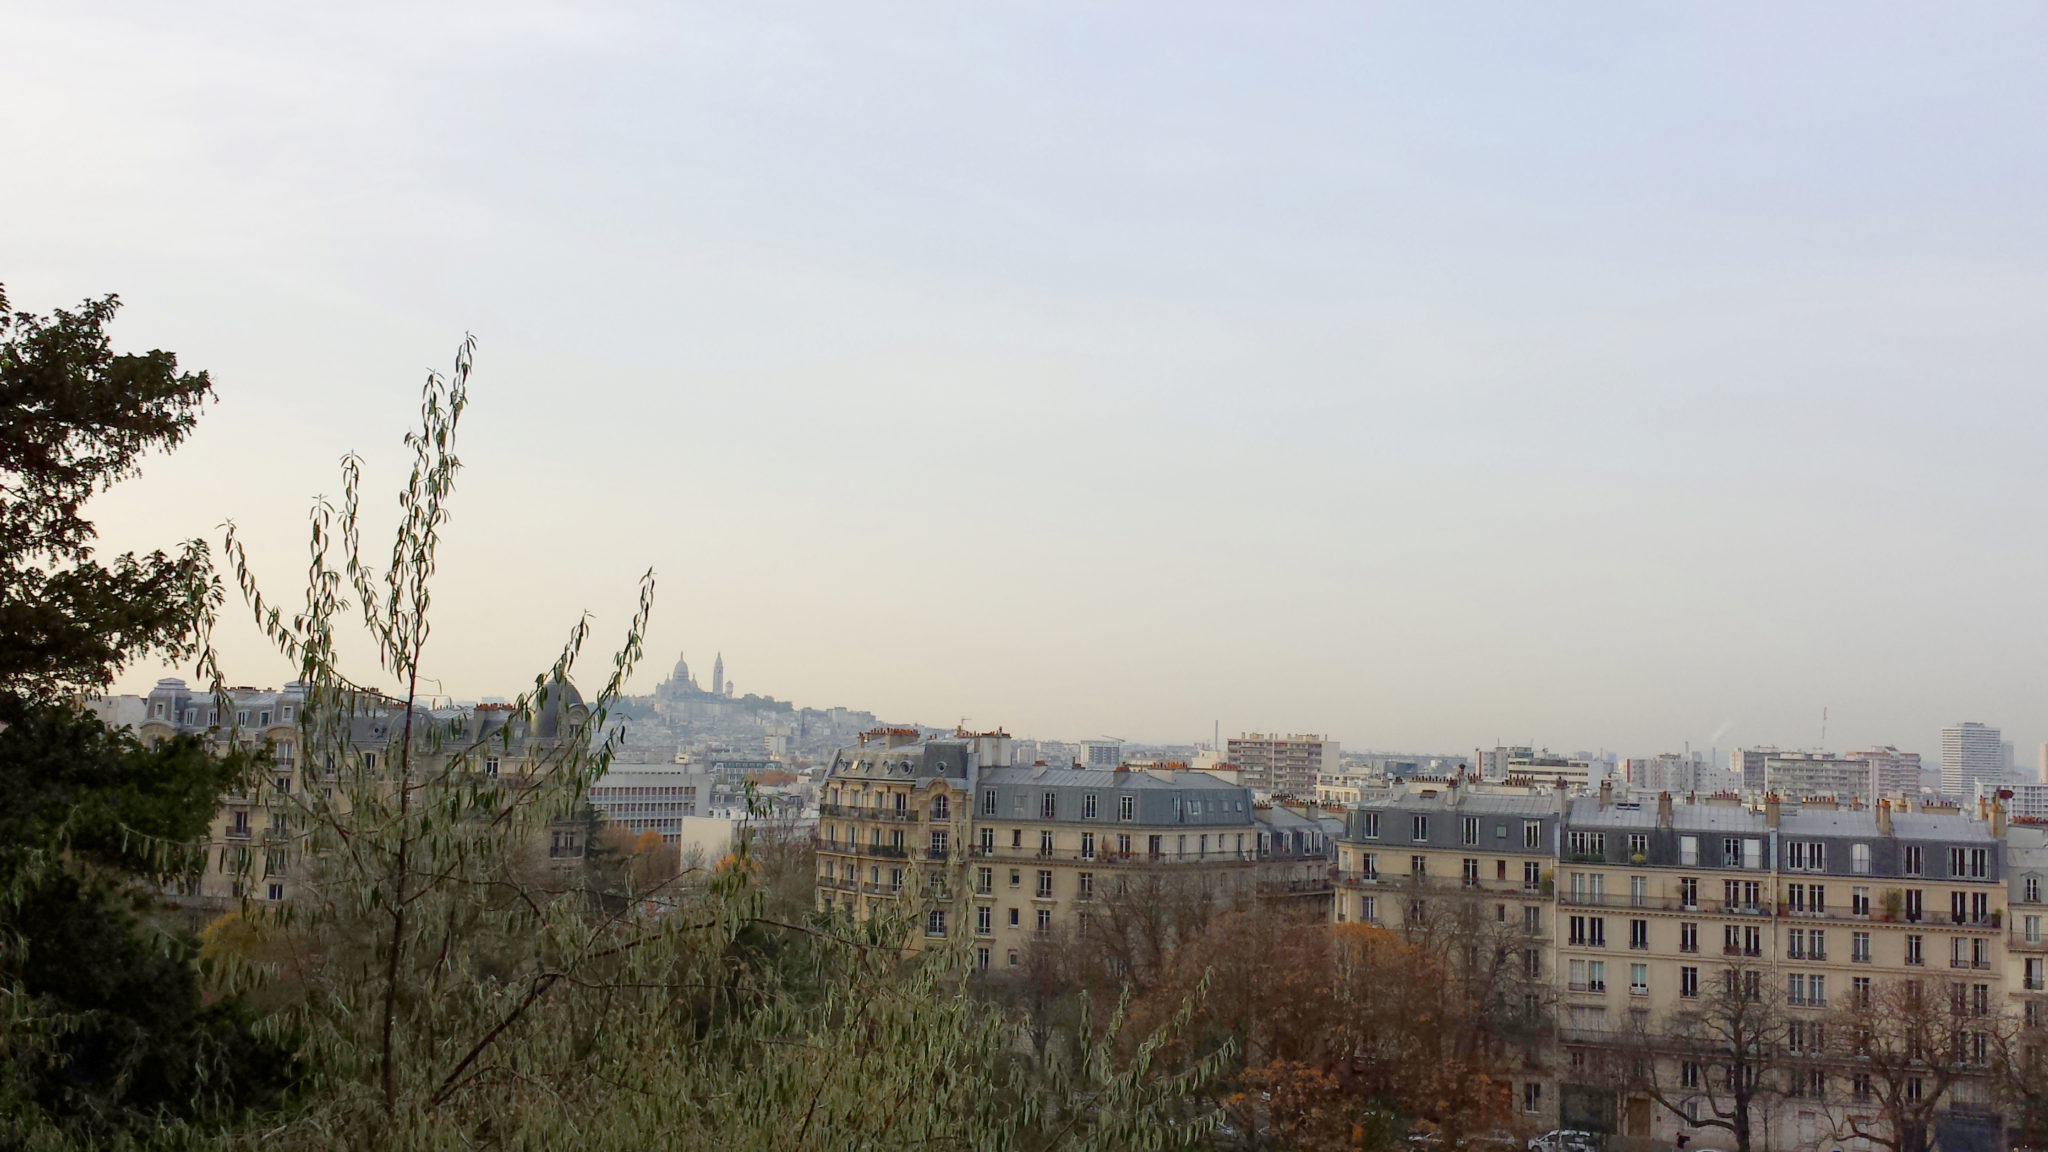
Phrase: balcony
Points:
(1311, 886)
(880, 851)
(1115, 859)
(856, 812)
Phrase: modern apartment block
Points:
(1815, 775)
(1282, 765)
(657, 800)
(1101, 753)
(1673, 773)
(1630, 910)
(1892, 773)
(1972, 754)
(1010, 856)
(1747, 766)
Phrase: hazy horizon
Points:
(1595, 376)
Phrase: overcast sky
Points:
(1598, 376)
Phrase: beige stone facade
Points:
(946, 830)
(1631, 912)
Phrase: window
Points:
(988, 841)
(1016, 877)
(2032, 975)
(1532, 1096)
(276, 892)
(1532, 833)
(1638, 845)
(1532, 876)
(984, 880)
(1806, 856)
(1859, 859)
(1532, 919)
(1688, 937)
(1859, 947)
(935, 923)
(1913, 952)
(1044, 921)
(1589, 844)
(1418, 866)
(1596, 976)
(1915, 908)
(1044, 883)
(1470, 872)
(1689, 892)
(1731, 851)
(984, 919)
(1368, 909)
(1638, 891)
(1086, 881)
(1689, 982)
(941, 844)
(1045, 844)
(942, 808)
(2030, 929)
(1596, 932)
(1689, 851)
(1369, 825)
(1087, 845)
(988, 802)
(1420, 829)
(1639, 935)
(1639, 979)
(1468, 831)
(1126, 807)
(2031, 890)
(1048, 806)
(1911, 862)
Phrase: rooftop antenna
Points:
(1823, 728)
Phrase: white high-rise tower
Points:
(1971, 753)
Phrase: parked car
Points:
(1565, 1140)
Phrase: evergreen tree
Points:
(103, 1026)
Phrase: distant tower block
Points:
(718, 675)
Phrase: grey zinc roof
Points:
(1104, 778)
(1470, 803)
(1587, 813)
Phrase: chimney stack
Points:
(1884, 817)
(1771, 810)
(1663, 809)
(1998, 816)
(1606, 794)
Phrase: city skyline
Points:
(1594, 378)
